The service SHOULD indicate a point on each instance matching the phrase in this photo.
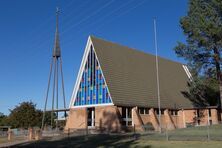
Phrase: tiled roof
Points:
(131, 77)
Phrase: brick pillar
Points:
(136, 120)
(184, 119)
(169, 121)
(30, 134)
(214, 116)
(10, 134)
(38, 134)
(153, 119)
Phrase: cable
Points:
(92, 14)
(110, 20)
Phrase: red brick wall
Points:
(214, 117)
(153, 119)
(191, 116)
(168, 120)
(137, 120)
(76, 119)
(107, 118)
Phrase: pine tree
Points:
(202, 27)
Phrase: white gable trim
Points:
(187, 72)
(93, 105)
(84, 59)
(82, 66)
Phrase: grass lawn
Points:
(197, 133)
(119, 141)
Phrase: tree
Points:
(2, 116)
(25, 115)
(203, 30)
(203, 91)
(3, 119)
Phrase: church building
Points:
(116, 89)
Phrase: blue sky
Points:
(27, 30)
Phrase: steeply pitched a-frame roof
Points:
(131, 77)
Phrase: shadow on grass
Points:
(90, 141)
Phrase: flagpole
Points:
(157, 74)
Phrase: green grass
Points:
(119, 141)
(197, 133)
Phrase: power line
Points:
(41, 32)
(84, 19)
(92, 14)
(110, 20)
(104, 20)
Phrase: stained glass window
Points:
(92, 89)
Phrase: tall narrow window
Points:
(198, 113)
(126, 116)
(209, 112)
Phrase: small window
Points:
(176, 112)
(210, 122)
(198, 122)
(209, 111)
(141, 110)
(146, 110)
(198, 113)
(127, 116)
(129, 112)
(123, 112)
(162, 111)
(157, 111)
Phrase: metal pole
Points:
(47, 94)
(63, 88)
(157, 74)
(208, 124)
(57, 93)
(53, 93)
(167, 136)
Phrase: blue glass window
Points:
(92, 89)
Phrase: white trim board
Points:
(93, 105)
(187, 72)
